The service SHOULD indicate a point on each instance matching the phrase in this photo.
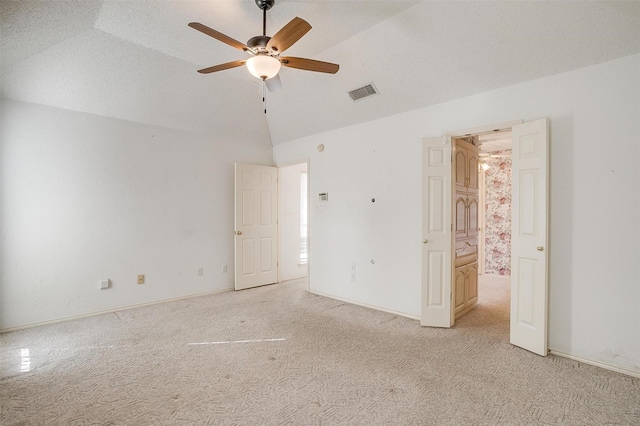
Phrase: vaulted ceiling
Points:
(137, 60)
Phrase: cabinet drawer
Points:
(466, 251)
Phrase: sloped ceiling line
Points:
(137, 60)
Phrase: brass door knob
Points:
(425, 241)
(540, 248)
(238, 232)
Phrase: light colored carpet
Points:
(279, 355)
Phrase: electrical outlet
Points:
(200, 272)
(104, 284)
(140, 279)
(224, 268)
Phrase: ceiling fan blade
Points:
(222, 67)
(288, 35)
(309, 64)
(274, 83)
(219, 36)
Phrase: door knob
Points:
(540, 248)
(238, 232)
(425, 241)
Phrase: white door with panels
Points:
(529, 255)
(437, 309)
(256, 229)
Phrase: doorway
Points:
(483, 228)
(494, 245)
(529, 283)
(271, 224)
(293, 221)
(494, 230)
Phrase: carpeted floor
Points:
(279, 355)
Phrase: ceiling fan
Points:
(265, 60)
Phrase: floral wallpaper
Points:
(498, 215)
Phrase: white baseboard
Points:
(109, 311)
(598, 364)
(364, 305)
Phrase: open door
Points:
(529, 281)
(436, 233)
(256, 229)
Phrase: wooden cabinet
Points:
(466, 215)
(466, 251)
(466, 167)
(461, 219)
(465, 288)
(466, 208)
(473, 205)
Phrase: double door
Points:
(529, 254)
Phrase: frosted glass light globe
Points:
(263, 66)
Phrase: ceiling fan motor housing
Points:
(259, 42)
(265, 4)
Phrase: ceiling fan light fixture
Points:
(263, 67)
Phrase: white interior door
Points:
(529, 282)
(256, 213)
(436, 233)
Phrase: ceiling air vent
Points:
(363, 92)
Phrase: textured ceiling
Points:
(137, 60)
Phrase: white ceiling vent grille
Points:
(363, 92)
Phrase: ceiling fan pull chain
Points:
(264, 94)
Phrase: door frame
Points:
(474, 131)
(287, 164)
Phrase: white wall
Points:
(595, 203)
(87, 198)
(289, 266)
